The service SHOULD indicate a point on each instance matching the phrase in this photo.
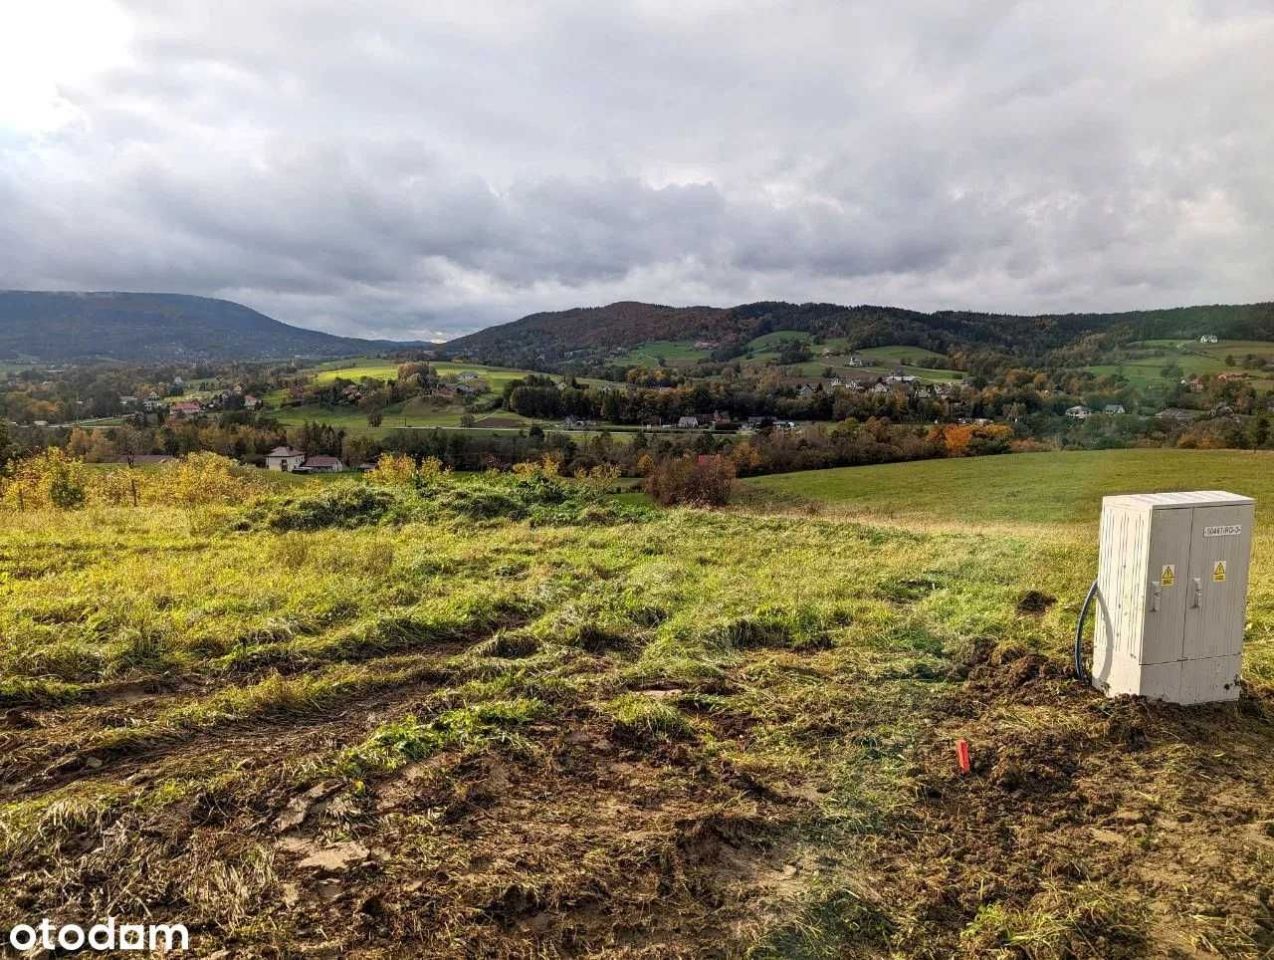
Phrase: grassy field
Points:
(658, 734)
(1026, 488)
(881, 360)
(770, 342)
(1194, 359)
(1148, 371)
(671, 352)
(1220, 350)
(378, 369)
(900, 354)
(415, 414)
(817, 369)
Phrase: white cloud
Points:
(394, 168)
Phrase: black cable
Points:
(1081, 671)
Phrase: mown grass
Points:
(1025, 488)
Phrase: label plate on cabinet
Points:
(1226, 530)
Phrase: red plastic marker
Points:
(962, 755)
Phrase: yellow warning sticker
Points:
(1168, 576)
(1218, 572)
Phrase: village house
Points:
(1078, 412)
(321, 464)
(687, 423)
(186, 408)
(284, 459)
(250, 402)
(855, 361)
(1208, 338)
(1114, 409)
(1178, 414)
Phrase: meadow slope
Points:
(629, 734)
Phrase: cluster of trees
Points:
(241, 437)
(1014, 395)
(54, 479)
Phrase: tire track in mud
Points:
(31, 752)
(67, 761)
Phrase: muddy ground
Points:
(1086, 827)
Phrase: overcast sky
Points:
(403, 168)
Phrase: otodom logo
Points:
(105, 935)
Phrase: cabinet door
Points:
(1220, 543)
(1168, 555)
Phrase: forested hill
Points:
(154, 327)
(548, 340)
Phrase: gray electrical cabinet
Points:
(1172, 592)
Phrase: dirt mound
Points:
(1033, 603)
(1007, 670)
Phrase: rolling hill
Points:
(155, 327)
(553, 340)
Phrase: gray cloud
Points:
(401, 169)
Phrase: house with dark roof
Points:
(321, 464)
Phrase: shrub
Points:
(54, 480)
(198, 480)
(400, 470)
(346, 505)
(705, 480)
(47, 480)
(536, 496)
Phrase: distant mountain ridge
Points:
(556, 339)
(149, 327)
(163, 327)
